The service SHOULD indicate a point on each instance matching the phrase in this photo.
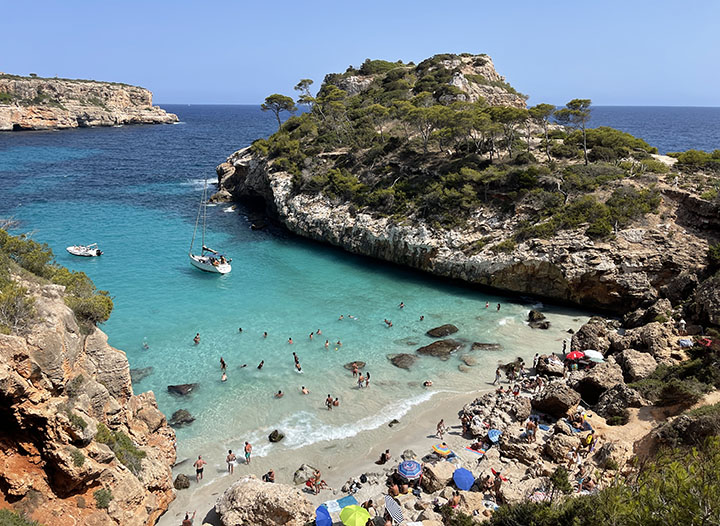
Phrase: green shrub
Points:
(619, 420)
(74, 386)
(611, 464)
(17, 309)
(713, 255)
(77, 421)
(564, 151)
(452, 517)
(505, 247)
(655, 166)
(685, 392)
(11, 518)
(560, 481)
(77, 457)
(125, 451)
(103, 498)
(6, 98)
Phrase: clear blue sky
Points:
(616, 53)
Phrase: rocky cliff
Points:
(32, 103)
(634, 268)
(77, 447)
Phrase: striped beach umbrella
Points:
(394, 509)
(442, 449)
(410, 469)
(494, 435)
(354, 515)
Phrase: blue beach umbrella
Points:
(494, 435)
(410, 469)
(463, 479)
(322, 517)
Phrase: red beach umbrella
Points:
(575, 355)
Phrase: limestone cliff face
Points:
(58, 390)
(41, 104)
(619, 275)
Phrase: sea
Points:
(135, 190)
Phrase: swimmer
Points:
(196, 339)
(240, 329)
(318, 332)
(279, 394)
(341, 317)
(304, 390)
(402, 305)
(487, 304)
(427, 383)
(224, 377)
(295, 357)
(311, 335)
(297, 366)
(290, 341)
(339, 343)
(498, 307)
(145, 345)
(327, 344)
(265, 335)
(260, 365)
(223, 365)
(336, 403)
(422, 318)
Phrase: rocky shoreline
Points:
(31, 103)
(78, 446)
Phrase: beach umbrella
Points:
(354, 515)
(593, 354)
(442, 449)
(463, 479)
(494, 435)
(322, 517)
(394, 509)
(410, 469)
(575, 355)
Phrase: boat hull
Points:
(78, 250)
(203, 263)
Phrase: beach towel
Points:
(347, 501)
(332, 506)
(685, 343)
(480, 452)
(544, 427)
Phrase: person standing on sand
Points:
(536, 359)
(248, 451)
(367, 380)
(196, 339)
(361, 380)
(199, 466)
(440, 429)
(497, 376)
(230, 459)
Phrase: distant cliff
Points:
(33, 103)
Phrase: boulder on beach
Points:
(181, 389)
(599, 379)
(616, 400)
(180, 418)
(138, 374)
(556, 400)
(437, 476)
(442, 331)
(480, 346)
(440, 349)
(357, 363)
(252, 501)
(408, 454)
(182, 481)
(276, 436)
(636, 365)
(548, 368)
(402, 360)
(304, 473)
(393, 422)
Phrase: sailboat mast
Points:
(197, 221)
(204, 203)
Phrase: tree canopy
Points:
(277, 103)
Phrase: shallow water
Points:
(135, 190)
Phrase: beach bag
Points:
(363, 479)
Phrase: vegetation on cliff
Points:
(31, 260)
(408, 141)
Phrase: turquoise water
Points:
(135, 190)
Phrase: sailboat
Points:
(208, 260)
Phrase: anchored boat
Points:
(208, 260)
(87, 251)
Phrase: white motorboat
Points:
(87, 251)
(208, 260)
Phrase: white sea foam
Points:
(305, 428)
(229, 209)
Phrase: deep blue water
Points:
(669, 128)
(135, 190)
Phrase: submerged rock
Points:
(138, 374)
(181, 389)
(402, 360)
(180, 418)
(480, 346)
(440, 349)
(442, 331)
(276, 436)
(357, 363)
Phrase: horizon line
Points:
(557, 105)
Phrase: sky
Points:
(634, 52)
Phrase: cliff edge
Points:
(33, 103)
(77, 447)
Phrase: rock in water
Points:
(182, 389)
(440, 349)
(138, 374)
(442, 331)
(251, 501)
(535, 315)
(276, 436)
(537, 320)
(357, 363)
(393, 422)
(479, 346)
(402, 360)
(182, 482)
(180, 418)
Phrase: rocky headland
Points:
(78, 447)
(33, 103)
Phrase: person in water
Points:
(290, 341)
(498, 307)
(304, 390)
(196, 339)
(318, 332)
(336, 402)
(329, 402)
(361, 380)
(402, 305)
(327, 344)
(367, 380)
(248, 450)
(422, 318)
(199, 466)
(279, 394)
(223, 378)
(341, 317)
(427, 383)
(240, 329)
(145, 345)
(223, 365)
(188, 520)
(230, 460)
(260, 365)
(355, 370)
(487, 304)
(311, 335)
(297, 366)
(265, 334)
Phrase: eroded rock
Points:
(442, 331)
(402, 360)
(440, 349)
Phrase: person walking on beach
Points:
(440, 429)
(536, 359)
(196, 339)
(230, 459)
(367, 380)
(248, 451)
(199, 466)
(497, 376)
(361, 380)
